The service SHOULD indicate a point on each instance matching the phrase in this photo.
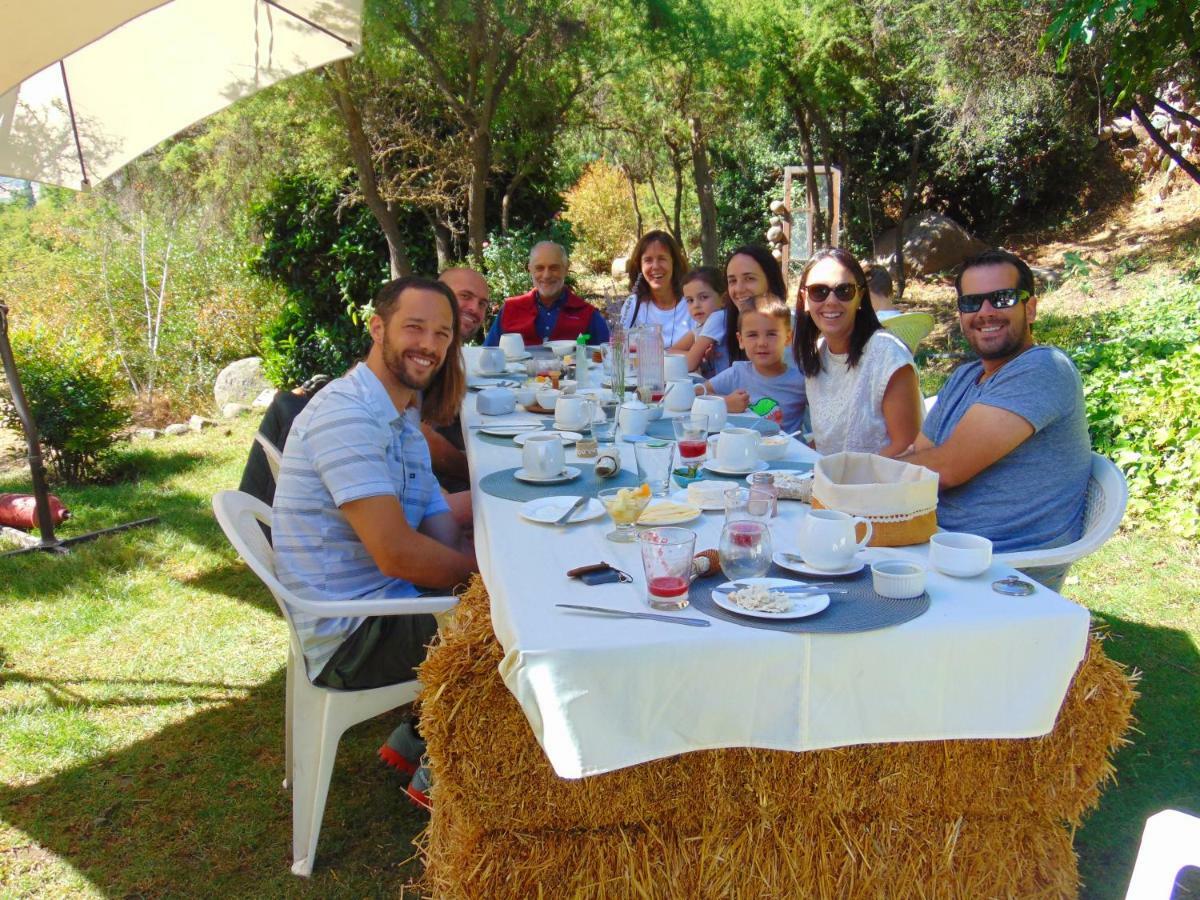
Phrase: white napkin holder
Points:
(497, 401)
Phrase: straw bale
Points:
(489, 767)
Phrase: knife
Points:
(699, 623)
(575, 507)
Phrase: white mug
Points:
(737, 449)
(828, 538)
(547, 398)
(491, 361)
(675, 366)
(543, 456)
(713, 407)
(680, 394)
(512, 344)
(573, 413)
(634, 417)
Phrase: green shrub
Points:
(71, 389)
(601, 212)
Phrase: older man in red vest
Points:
(551, 311)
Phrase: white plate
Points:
(682, 497)
(711, 466)
(570, 473)
(795, 472)
(518, 357)
(511, 431)
(648, 518)
(804, 569)
(548, 510)
(568, 437)
(807, 605)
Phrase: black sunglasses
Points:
(1001, 299)
(819, 293)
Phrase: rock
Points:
(177, 429)
(233, 410)
(240, 382)
(146, 434)
(1046, 279)
(779, 207)
(618, 266)
(932, 243)
(263, 400)
(775, 234)
(199, 423)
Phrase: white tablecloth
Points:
(604, 693)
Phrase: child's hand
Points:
(738, 401)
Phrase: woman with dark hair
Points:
(863, 391)
(656, 269)
(750, 273)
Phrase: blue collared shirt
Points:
(349, 443)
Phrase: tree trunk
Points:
(677, 226)
(704, 193)
(442, 240)
(910, 189)
(481, 164)
(1163, 144)
(816, 225)
(826, 138)
(506, 203)
(360, 151)
(637, 209)
(657, 202)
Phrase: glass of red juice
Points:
(667, 561)
(691, 437)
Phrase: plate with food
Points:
(763, 599)
(668, 512)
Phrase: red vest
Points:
(519, 314)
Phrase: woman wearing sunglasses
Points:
(862, 383)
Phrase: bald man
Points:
(471, 290)
(551, 311)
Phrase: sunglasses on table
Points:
(1001, 299)
(819, 293)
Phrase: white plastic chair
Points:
(1170, 841)
(1103, 510)
(315, 718)
(911, 327)
(273, 453)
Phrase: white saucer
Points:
(500, 373)
(519, 357)
(570, 473)
(549, 510)
(711, 466)
(510, 430)
(802, 606)
(568, 437)
(806, 569)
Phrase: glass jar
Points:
(764, 482)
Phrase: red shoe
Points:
(418, 789)
(403, 749)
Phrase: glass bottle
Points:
(764, 482)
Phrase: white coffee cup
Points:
(737, 449)
(633, 417)
(573, 413)
(679, 395)
(675, 366)
(713, 407)
(512, 344)
(491, 361)
(543, 456)
(547, 398)
(828, 538)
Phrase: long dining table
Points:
(611, 701)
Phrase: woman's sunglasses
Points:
(1001, 299)
(819, 293)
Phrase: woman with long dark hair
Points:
(656, 268)
(863, 391)
(751, 272)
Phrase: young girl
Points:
(862, 383)
(763, 382)
(704, 345)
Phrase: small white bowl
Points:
(561, 348)
(898, 579)
(960, 554)
(547, 398)
(525, 395)
(774, 447)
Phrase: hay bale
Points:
(505, 824)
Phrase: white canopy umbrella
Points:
(122, 87)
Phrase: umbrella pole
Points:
(37, 470)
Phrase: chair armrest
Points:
(1035, 559)
(396, 606)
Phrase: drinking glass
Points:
(624, 505)
(745, 549)
(667, 561)
(747, 504)
(654, 460)
(606, 432)
(691, 436)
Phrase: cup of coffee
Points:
(713, 407)
(491, 361)
(675, 366)
(573, 413)
(737, 449)
(512, 344)
(543, 455)
(828, 538)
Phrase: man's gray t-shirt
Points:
(1034, 496)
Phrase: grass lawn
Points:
(141, 707)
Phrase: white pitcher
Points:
(675, 366)
(713, 407)
(827, 538)
(680, 394)
(634, 417)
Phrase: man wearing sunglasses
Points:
(1008, 435)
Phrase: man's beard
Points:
(396, 365)
(1009, 347)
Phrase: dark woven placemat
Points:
(861, 609)
(662, 428)
(502, 484)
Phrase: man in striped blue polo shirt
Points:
(357, 510)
